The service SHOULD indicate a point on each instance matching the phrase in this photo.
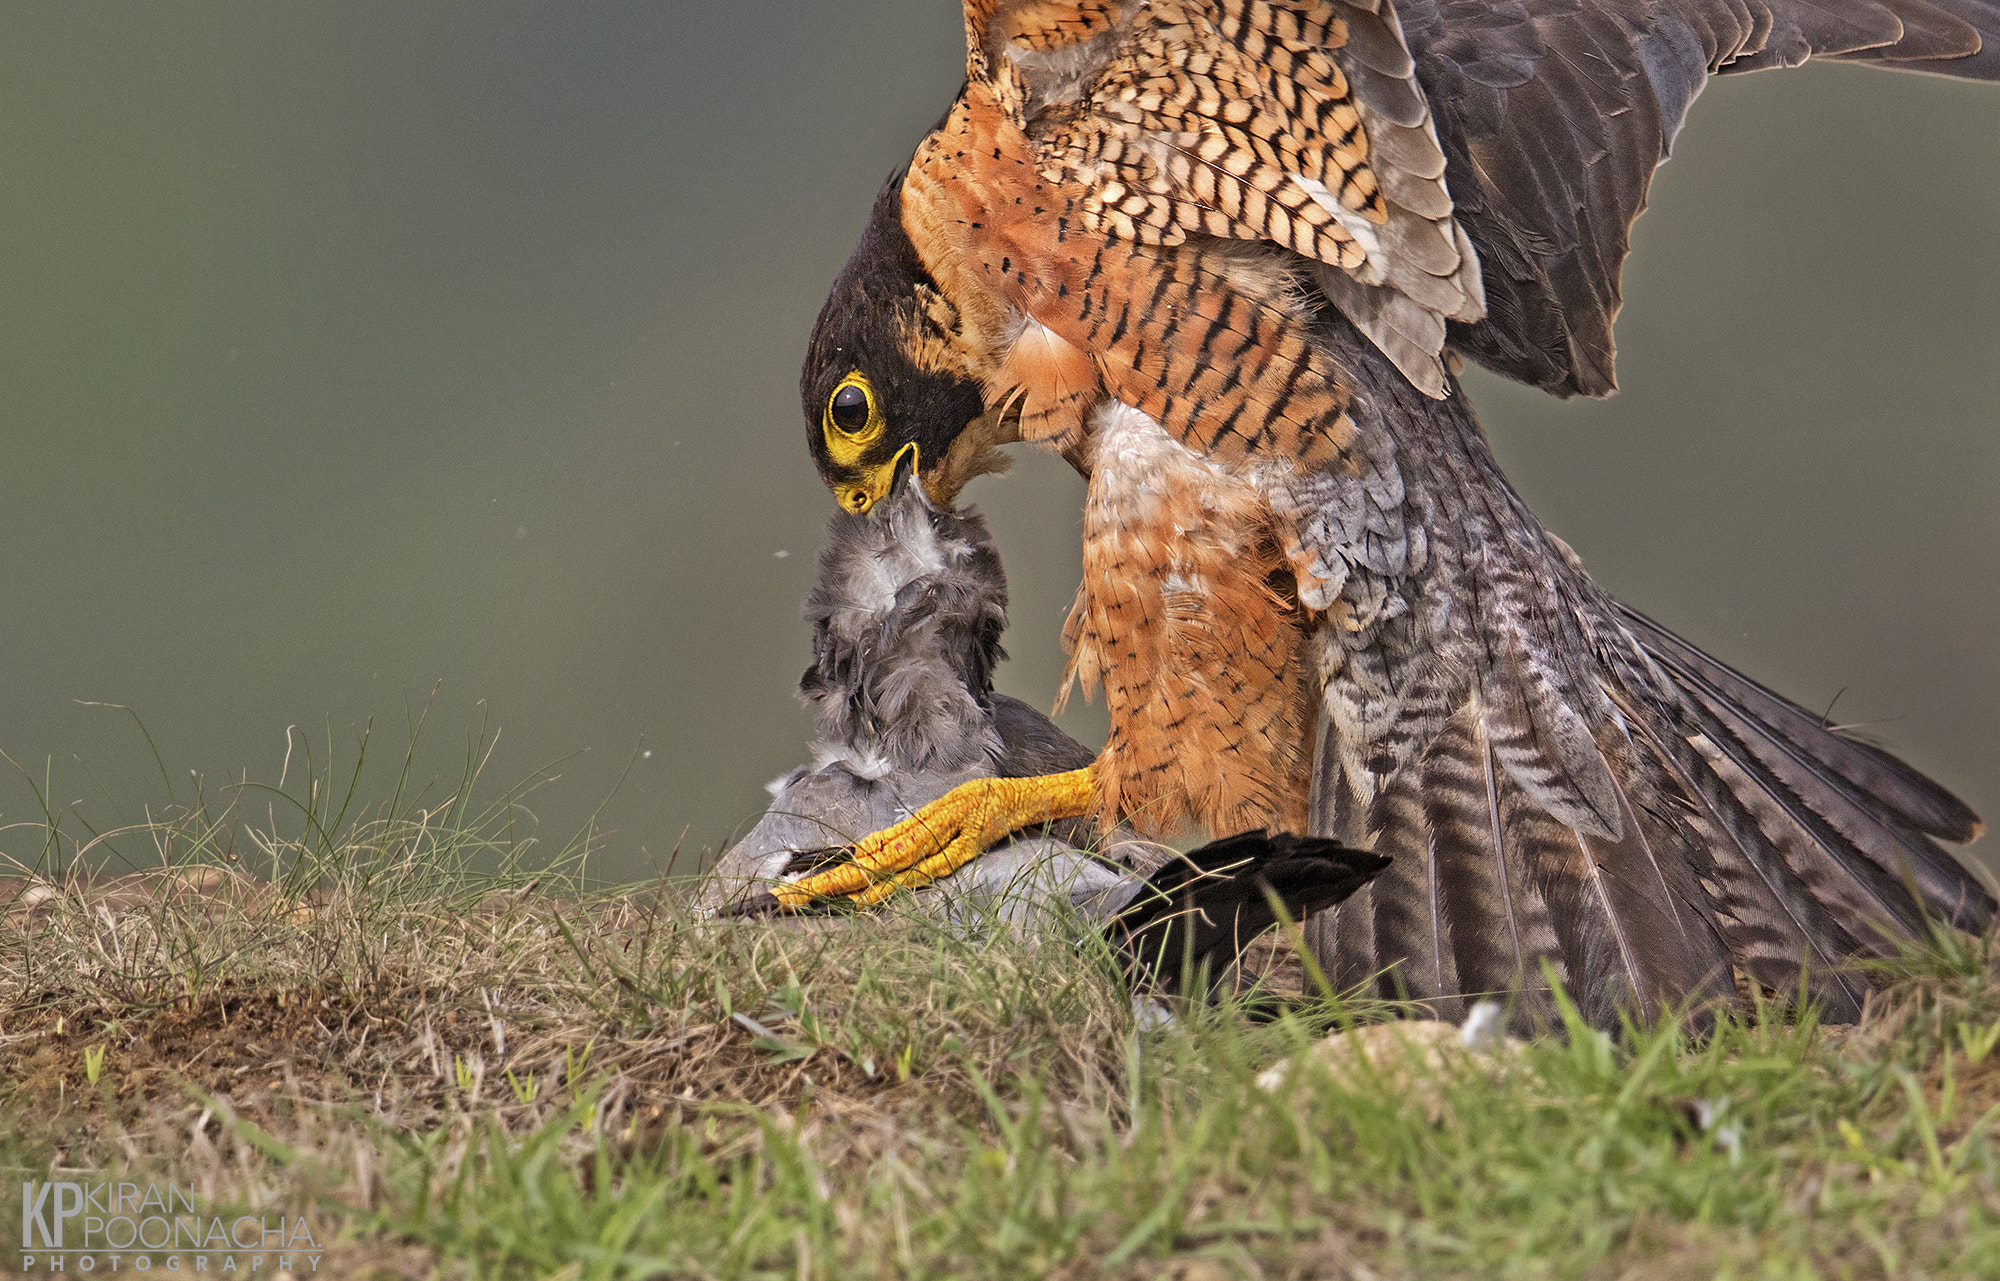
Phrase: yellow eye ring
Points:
(852, 421)
(851, 412)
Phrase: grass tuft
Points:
(448, 1069)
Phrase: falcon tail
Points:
(1755, 846)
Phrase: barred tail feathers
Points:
(1879, 804)
(1748, 840)
(1486, 886)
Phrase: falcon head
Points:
(891, 376)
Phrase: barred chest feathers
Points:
(1187, 619)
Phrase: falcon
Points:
(1225, 258)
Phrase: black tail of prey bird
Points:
(1223, 255)
(907, 616)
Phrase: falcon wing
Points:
(1554, 114)
(1385, 141)
(1298, 124)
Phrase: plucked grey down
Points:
(907, 617)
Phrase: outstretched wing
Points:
(1554, 114)
(1293, 122)
(1384, 142)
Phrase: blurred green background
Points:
(349, 350)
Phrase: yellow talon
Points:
(944, 836)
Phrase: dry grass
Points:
(455, 1074)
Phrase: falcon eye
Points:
(849, 408)
(851, 425)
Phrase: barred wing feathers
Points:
(1299, 125)
(1554, 114)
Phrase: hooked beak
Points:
(875, 483)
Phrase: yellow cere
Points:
(848, 446)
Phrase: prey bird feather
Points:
(907, 616)
(1223, 256)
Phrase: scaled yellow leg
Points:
(938, 865)
(944, 836)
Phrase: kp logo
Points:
(139, 1222)
(44, 1209)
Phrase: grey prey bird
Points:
(907, 617)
